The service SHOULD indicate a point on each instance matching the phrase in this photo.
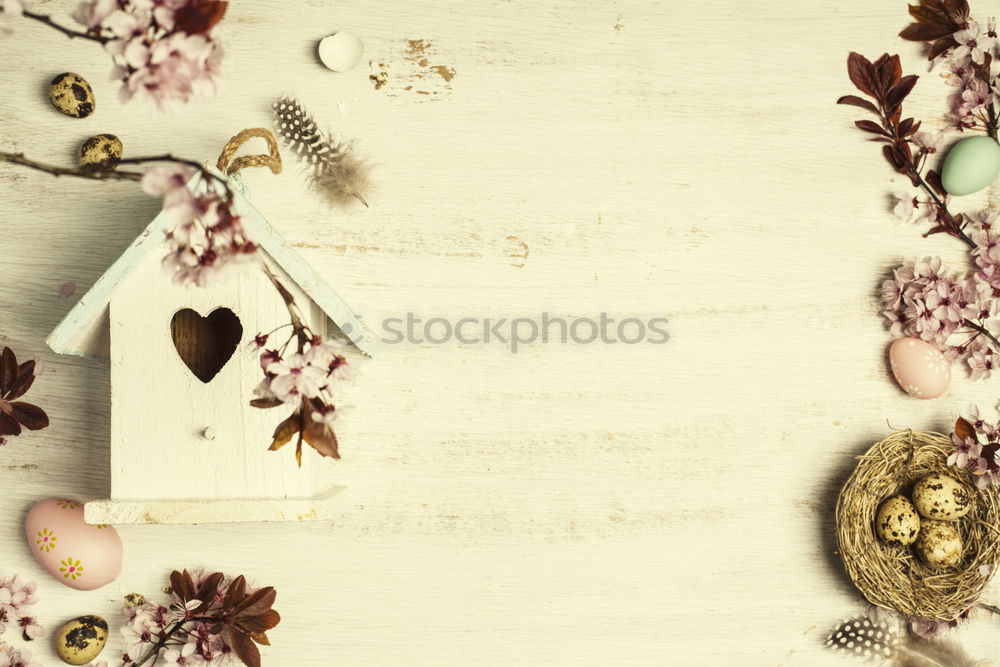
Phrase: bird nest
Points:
(892, 576)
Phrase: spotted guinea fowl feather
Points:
(335, 170)
(882, 642)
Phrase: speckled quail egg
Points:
(81, 640)
(942, 497)
(72, 95)
(897, 522)
(101, 152)
(939, 544)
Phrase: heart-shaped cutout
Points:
(206, 344)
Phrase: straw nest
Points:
(893, 577)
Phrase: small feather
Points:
(916, 652)
(881, 641)
(335, 170)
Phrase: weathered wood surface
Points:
(568, 504)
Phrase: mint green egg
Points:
(970, 166)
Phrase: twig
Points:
(981, 329)
(72, 34)
(97, 175)
(114, 174)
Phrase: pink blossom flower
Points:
(930, 142)
(976, 95)
(973, 43)
(980, 360)
(10, 12)
(185, 655)
(294, 378)
(92, 13)
(30, 628)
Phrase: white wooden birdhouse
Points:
(186, 446)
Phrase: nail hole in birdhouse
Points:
(205, 344)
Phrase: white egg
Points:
(942, 497)
(341, 51)
(896, 522)
(940, 544)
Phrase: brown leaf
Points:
(259, 623)
(31, 416)
(199, 16)
(908, 127)
(182, 585)
(235, 593)
(900, 90)
(871, 126)
(888, 71)
(924, 32)
(260, 638)
(964, 429)
(8, 370)
(321, 438)
(244, 648)
(25, 378)
(934, 180)
(859, 69)
(266, 402)
(257, 603)
(8, 426)
(940, 46)
(854, 100)
(285, 430)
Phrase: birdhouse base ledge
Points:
(118, 511)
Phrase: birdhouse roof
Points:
(84, 330)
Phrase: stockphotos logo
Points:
(520, 331)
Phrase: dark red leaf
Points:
(266, 402)
(244, 648)
(257, 603)
(940, 46)
(858, 102)
(892, 154)
(887, 72)
(859, 69)
(8, 426)
(259, 623)
(182, 585)
(923, 32)
(934, 180)
(31, 416)
(871, 126)
(911, 127)
(964, 429)
(25, 378)
(8, 370)
(199, 16)
(235, 593)
(900, 90)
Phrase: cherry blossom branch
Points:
(97, 175)
(164, 639)
(72, 34)
(113, 174)
(983, 330)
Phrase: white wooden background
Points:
(598, 504)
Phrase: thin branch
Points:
(72, 34)
(96, 175)
(114, 174)
(983, 330)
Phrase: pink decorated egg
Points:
(81, 556)
(919, 367)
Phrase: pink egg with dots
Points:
(79, 555)
(919, 367)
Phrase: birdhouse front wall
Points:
(176, 437)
